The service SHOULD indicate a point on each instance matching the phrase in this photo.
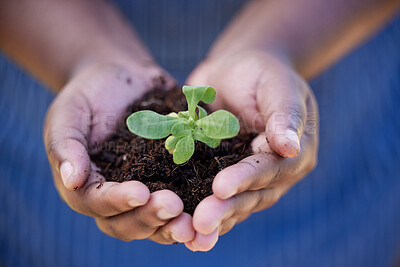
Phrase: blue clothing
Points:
(345, 213)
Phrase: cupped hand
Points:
(271, 99)
(86, 112)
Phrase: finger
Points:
(211, 207)
(190, 246)
(104, 199)
(212, 213)
(282, 99)
(265, 169)
(203, 242)
(179, 229)
(100, 198)
(144, 221)
(251, 173)
(64, 137)
(112, 198)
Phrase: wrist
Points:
(135, 67)
(215, 61)
(101, 56)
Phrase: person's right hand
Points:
(86, 112)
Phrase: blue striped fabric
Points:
(345, 213)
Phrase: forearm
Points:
(54, 38)
(312, 34)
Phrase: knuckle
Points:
(242, 205)
(258, 200)
(267, 198)
(145, 219)
(259, 203)
(277, 174)
(296, 114)
(115, 229)
(167, 236)
(146, 226)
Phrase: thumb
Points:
(284, 129)
(283, 101)
(65, 140)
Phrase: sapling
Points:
(186, 127)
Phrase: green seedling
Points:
(186, 127)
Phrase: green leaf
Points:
(151, 125)
(184, 114)
(171, 141)
(181, 129)
(200, 136)
(219, 125)
(202, 112)
(184, 149)
(195, 94)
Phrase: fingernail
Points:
(293, 139)
(216, 236)
(190, 246)
(214, 228)
(175, 238)
(66, 170)
(164, 215)
(231, 193)
(194, 248)
(134, 203)
(206, 240)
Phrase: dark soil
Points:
(126, 156)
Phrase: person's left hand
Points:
(272, 99)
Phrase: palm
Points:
(108, 90)
(86, 112)
(271, 99)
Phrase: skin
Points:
(261, 77)
(279, 105)
(95, 77)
